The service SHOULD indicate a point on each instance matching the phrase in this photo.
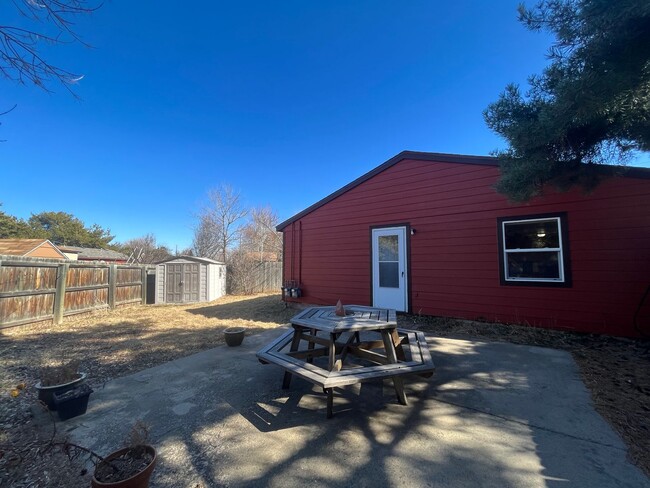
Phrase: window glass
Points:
(532, 235)
(388, 248)
(389, 275)
(533, 265)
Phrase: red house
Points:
(427, 233)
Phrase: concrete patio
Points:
(493, 415)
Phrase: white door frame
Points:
(391, 297)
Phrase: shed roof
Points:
(21, 247)
(433, 157)
(190, 258)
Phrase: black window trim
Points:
(564, 243)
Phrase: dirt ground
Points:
(112, 343)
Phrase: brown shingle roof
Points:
(19, 247)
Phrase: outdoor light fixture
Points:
(412, 232)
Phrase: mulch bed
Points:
(616, 370)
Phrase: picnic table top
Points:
(357, 318)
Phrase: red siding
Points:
(454, 258)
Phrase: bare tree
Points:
(218, 227)
(205, 242)
(21, 57)
(259, 236)
(241, 268)
(145, 250)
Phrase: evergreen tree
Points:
(65, 229)
(590, 106)
(13, 228)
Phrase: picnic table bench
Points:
(363, 345)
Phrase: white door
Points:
(389, 268)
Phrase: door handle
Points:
(402, 274)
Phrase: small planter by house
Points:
(72, 403)
(46, 393)
(130, 467)
(234, 336)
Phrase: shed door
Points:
(190, 282)
(173, 283)
(389, 280)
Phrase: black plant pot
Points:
(234, 336)
(72, 403)
(46, 393)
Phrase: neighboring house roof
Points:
(438, 158)
(93, 254)
(23, 247)
(190, 258)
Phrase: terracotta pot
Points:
(46, 393)
(140, 480)
(234, 336)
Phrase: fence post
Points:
(112, 285)
(143, 288)
(59, 296)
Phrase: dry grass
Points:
(107, 345)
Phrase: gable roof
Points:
(22, 247)
(632, 172)
(420, 156)
(190, 258)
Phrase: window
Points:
(534, 250)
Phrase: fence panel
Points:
(29, 291)
(267, 277)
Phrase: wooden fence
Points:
(35, 290)
(267, 277)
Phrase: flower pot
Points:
(234, 336)
(46, 393)
(72, 403)
(139, 480)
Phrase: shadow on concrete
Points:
(493, 415)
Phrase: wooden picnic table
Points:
(367, 334)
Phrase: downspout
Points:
(300, 255)
(293, 247)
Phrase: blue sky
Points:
(286, 101)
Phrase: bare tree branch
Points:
(20, 48)
(218, 227)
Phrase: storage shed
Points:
(427, 233)
(187, 279)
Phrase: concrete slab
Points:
(493, 415)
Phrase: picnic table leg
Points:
(399, 349)
(310, 346)
(330, 402)
(332, 367)
(332, 352)
(389, 346)
(295, 342)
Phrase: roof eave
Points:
(416, 155)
